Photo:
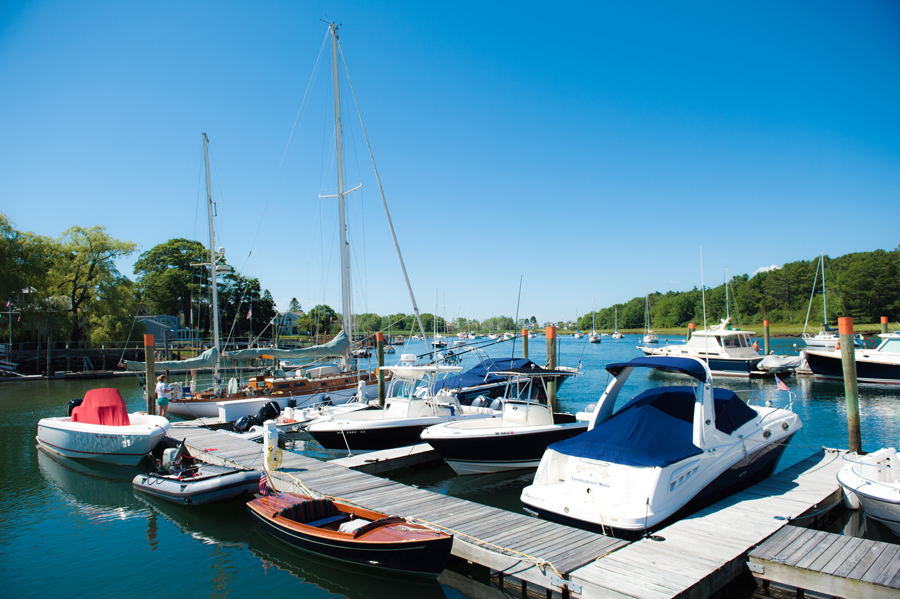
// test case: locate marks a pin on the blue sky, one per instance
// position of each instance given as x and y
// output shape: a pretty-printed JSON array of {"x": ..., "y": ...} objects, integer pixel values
[{"x": 591, "y": 148}]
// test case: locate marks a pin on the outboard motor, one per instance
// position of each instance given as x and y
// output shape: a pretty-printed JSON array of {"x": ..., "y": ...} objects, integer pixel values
[
  {"x": 497, "y": 405},
  {"x": 478, "y": 402},
  {"x": 243, "y": 424},
  {"x": 73, "y": 403},
  {"x": 270, "y": 411}
]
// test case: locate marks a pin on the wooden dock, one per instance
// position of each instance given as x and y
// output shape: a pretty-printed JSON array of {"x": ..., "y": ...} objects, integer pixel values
[
  {"x": 702, "y": 553},
  {"x": 829, "y": 563},
  {"x": 534, "y": 551},
  {"x": 694, "y": 557}
]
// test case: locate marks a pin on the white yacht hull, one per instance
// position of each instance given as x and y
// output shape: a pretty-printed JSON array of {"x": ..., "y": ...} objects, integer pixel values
[
  {"x": 875, "y": 482},
  {"x": 124, "y": 445}
]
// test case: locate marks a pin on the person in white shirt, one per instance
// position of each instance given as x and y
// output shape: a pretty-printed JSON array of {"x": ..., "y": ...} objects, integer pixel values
[{"x": 163, "y": 394}]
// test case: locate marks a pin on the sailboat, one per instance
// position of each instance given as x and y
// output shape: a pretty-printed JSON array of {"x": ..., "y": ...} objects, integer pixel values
[
  {"x": 312, "y": 385},
  {"x": 617, "y": 334},
  {"x": 593, "y": 337},
  {"x": 826, "y": 338},
  {"x": 649, "y": 335},
  {"x": 578, "y": 334}
]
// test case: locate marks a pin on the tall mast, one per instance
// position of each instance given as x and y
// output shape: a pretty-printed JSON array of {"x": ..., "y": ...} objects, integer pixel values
[
  {"x": 212, "y": 263},
  {"x": 824, "y": 304},
  {"x": 338, "y": 144}
]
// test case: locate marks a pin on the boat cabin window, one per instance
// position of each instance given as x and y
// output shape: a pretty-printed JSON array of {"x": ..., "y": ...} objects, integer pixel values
[
  {"x": 731, "y": 342},
  {"x": 891, "y": 345}
]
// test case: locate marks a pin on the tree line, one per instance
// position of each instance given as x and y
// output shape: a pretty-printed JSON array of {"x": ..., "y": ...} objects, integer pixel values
[{"x": 864, "y": 285}]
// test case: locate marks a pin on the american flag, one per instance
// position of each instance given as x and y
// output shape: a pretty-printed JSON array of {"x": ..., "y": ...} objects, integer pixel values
[
  {"x": 249, "y": 313},
  {"x": 781, "y": 385},
  {"x": 264, "y": 485}
]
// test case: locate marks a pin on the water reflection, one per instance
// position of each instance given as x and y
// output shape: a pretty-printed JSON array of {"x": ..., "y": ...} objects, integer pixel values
[
  {"x": 223, "y": 524},
  {"x": 98, "y": 491},
  {"x": 333, "y": 577}
]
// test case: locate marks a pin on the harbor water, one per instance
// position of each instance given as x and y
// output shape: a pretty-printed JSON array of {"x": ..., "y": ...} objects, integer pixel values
[{"x": 73, "y": 528}]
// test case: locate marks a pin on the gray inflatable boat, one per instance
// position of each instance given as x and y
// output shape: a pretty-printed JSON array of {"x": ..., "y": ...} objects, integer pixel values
[{"x": 199, "y": 484}]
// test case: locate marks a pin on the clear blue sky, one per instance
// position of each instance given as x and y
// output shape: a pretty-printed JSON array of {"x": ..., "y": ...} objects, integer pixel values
[{"x": 590, "y": 147}]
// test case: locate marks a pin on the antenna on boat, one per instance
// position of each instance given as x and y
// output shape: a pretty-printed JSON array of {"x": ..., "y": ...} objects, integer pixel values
[{"x": 703, "y": 296}]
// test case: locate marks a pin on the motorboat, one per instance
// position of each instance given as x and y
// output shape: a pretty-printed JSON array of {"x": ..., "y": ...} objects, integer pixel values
[
  {"x": 727, "y": 351},
  {"x": 577, "y": 335},
  {"x": 873, "y": 482},
  {"x": 668, "y": 452},
  {"x": 399, "y": 340},
  {"x": 100, "y": 428},
  {"x": 352, "y": 534},
  {"x": 514, "y": 439},
  {"x": 485, "y": 380},
  {"x": 180, "y": 479},
  {"x": 410, "y": 407},
  {"x": 877, "y": 366}
]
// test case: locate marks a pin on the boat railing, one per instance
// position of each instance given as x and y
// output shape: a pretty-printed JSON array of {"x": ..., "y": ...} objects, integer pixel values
[{"x": 880, "y": 472}]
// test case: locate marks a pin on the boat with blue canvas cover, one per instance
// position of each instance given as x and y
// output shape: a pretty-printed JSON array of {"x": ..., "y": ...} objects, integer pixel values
[
  {"x": 666, "y": 453},
  {"x": 485, "y": 380}
]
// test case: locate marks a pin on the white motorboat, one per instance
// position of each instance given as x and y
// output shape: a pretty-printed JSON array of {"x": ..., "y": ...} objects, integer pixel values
[
  {"x": 515, "y": 438},
  {"x": 728, "y": 352},
  {"x": 877, "y": 366},
  {"x": 101, "y": 429},
  {"x": 873, "y": 482},
  {"x": 666, "y": 453},
  {"x": 411, "y": 407}
]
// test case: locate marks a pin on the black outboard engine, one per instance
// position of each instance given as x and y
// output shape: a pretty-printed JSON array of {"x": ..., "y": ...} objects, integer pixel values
[
  {"x": 73, "y": 403},
  {"x": 270, "y": 411},
  {"x": 243, "y": 424}
]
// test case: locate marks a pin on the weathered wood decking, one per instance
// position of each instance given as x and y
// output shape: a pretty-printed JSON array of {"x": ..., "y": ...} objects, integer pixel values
[
  {"x": 515, "y": 544},
  {"x": 698, "y": 556},
  {"x": 828, "y": 563},
  {"x": 702, "y": 553}
]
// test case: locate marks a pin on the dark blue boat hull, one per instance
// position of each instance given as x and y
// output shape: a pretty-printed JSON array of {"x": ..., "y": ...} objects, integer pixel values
[{"x": 831, "y": 367}]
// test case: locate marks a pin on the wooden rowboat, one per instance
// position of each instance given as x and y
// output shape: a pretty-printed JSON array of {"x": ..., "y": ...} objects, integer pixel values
[{"x": 351, "y": 534}]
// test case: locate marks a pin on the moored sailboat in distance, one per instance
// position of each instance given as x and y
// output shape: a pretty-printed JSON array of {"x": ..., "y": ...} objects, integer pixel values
[
  {"x": 617, "y": 334},
  {"x": 593, "y": 337}
]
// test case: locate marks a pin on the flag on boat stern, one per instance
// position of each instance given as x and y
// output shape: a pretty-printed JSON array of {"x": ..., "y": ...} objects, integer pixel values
[
  {"x": 781, "y": 384},
  {"x": 264, "y": 485}
]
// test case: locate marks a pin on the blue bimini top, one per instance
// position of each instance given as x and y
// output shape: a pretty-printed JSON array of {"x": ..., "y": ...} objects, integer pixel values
[
  {"x": 481, "y": 374},
  {"x": 687, "y": 366},
  {"x": 655, "y": 428}
]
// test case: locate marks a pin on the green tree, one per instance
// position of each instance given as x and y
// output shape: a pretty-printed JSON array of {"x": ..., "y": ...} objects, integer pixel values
[
  {"x": 83, "y": 261},
  {"x": 112, "y": 318},
  {"x": 240, "y": 297},
  {"x": 167, "y": 279},
  {"x": 323, "y": 319},
  {"x": 295, "y": 306}
]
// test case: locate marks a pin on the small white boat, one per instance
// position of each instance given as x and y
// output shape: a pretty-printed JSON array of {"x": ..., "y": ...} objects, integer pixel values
[
  {"x": 873, "y": 482},
  {"x": 617, "y": 334},
  {"x": 100, "y": 428},
  {"x": 593, "y": 337},
  {"x": 515, "y": 438}
]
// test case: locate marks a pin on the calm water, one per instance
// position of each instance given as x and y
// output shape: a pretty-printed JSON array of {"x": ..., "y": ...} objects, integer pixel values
[{"x": 74, "y": 528}]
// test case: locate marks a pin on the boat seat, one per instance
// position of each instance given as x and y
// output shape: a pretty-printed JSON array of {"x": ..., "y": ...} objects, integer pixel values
[
  {"x": 328, "y": 520},
  {"x": 310, "y": 510}
]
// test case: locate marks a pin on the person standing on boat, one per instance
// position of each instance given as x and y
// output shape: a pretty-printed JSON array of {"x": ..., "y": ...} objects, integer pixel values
[
  {"x": 756, "y": 346},
  {"x": 163, "y": 394}
]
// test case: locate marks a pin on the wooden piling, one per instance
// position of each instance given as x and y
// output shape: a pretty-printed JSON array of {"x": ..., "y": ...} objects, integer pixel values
[
  {"x": 49, "y": 357},
  {"x": 851, "y": 391},
  {"x": 690, "y": 333},
  {"x": 766, "y": 337},
  {"x": 551, "y": 364},
  {"x": 68, "y": 359},
  {"x": 150, "y": 373},
  {"x": 379, "y": 352},
  {"x": 884, "y": 325},
  {"x": 525, "y": 343},
  {"x": 103, "y": 356}
]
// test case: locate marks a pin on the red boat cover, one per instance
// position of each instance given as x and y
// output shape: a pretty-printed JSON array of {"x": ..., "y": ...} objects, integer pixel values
[{"x": 102, "y": 406}]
